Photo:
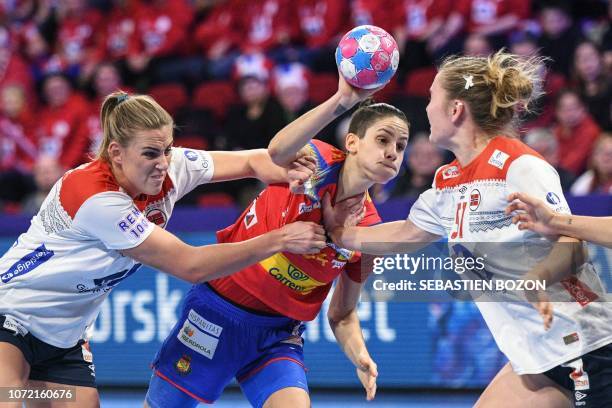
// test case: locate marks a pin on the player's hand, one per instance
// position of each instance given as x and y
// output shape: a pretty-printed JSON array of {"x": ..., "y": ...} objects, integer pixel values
[
  {"x": 300, "y": 171},
  {"x": 346, "y": 213},
  {"x": 351, "y": 95},
  {"x": 303, "y": 237},
  {"x": 531, "y": 213},
  {"x": 540, "y": 301},
  {"x": 367, "y": 371}
]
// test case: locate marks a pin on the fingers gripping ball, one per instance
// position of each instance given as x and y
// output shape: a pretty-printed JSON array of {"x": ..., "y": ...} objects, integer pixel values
[{"x": 367, "y": 57}]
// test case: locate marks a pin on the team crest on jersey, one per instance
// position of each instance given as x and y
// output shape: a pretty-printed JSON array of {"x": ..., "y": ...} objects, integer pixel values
[
  {"x": 250, "y": 218},
  {"x": 475, "y": 199},
  {"x": 157, "y": 217},
  {"x": 498, "y": 159},
  {"x": 450, "y": 172},
  {"x": 183, "y": 365}
]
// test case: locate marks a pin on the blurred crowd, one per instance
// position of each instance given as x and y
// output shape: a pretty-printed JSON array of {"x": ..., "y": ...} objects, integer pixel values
[{"x": 234, "y": 72}]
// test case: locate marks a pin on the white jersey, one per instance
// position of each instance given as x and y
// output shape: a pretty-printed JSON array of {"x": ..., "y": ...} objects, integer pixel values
[
  {"x": 57, "y": 274},
  {"x": 466, "y": 205}
]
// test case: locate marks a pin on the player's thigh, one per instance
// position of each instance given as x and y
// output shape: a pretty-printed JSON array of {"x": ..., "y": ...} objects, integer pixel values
[
  {"x": 293, "y": 397},
  {"x": 15, "y": 368},
  {"x": 84, "y": 397},
  {"x": 509, "y": 389}
]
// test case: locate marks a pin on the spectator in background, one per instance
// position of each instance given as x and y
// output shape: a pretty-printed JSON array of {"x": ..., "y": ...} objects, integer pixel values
[
  {"x": 255, "y": 120},
  {"x": 606, "y": 42},
  {"x": 17, "y": 148},
  {"x": 219, "y": 38},
  {"x": 477, "y": 45},
  {"x": 417, "y": 24},
  {"x": 559, "y": 36},
  {"x": 258, "y": 116},
  {"x": 594, "y": 83},
  {"x": 291, "y": 89},
  {"x": 13, "y": 68},
  {"x": 524, "y": 44},
  {"x": 118, "y": 34},
  {"x": 371, "y": 12},
  {"x": 575, "y": 130},
  {"x": 543, "y": 141},
  {"x": 47, "y": 171},
  {"x": 598, "y": 179},
  {"x": 267, "y": 27},
  {"x": 492, "y": 18},
  {"x": 61, "y": 132},
  {"x": 105, "y": 80},
  {"x": 321, "y": 24},
  {"x": 77, "y": 28},
  {"x": 160, "y": 51}
]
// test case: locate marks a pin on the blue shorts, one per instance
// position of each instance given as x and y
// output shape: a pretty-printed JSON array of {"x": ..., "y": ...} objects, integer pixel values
[{"x": 214, "y": 342}]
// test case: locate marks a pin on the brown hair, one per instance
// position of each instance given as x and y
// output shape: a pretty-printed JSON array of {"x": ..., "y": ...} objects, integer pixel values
[
  {"x": 370, "y": 112},
  {"x": 502, "y": 85},
  {"x": 123, "y": 114}
]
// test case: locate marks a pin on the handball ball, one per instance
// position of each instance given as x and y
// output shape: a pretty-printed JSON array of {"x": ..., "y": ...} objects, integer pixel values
[{"x": 367, "y": 57}]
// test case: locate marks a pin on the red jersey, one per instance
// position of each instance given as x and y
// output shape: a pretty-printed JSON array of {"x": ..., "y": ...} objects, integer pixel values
[
  {"x": 289, "y": 284},
  {"x": 416, "y": 15},
  {"x": 479, "y": 13},
  {"x": 320, "y": 20}
]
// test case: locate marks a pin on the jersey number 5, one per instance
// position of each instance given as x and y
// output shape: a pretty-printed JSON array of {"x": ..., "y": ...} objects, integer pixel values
[{"x": 458, "y": 227}]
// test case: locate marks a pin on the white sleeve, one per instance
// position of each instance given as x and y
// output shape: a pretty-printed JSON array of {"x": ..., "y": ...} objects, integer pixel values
[
  {"x": 113, "y": 218},
  {"x": 189, "y": 168},
  {"x": 423, "y": 213},
  {"x": 534, "y": 176}
]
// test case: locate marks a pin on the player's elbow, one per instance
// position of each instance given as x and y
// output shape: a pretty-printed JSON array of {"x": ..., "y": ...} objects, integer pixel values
[
  {"x": 336, "y": 316},
  {"x": 276, "y": 153}
]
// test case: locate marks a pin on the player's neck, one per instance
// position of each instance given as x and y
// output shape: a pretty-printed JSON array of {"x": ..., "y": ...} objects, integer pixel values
[
  {"x": 351, "y": 182},
  {"x": 468, "y": 145}
]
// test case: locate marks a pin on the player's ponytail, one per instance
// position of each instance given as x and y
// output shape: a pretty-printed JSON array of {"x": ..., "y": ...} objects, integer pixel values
[
  {"x": 123, "y": 114},
  {"x": 496, "y": 88}
]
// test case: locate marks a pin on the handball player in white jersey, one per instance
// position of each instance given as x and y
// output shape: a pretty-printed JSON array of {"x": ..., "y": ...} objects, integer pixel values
[
  {"x": 98, "y": 224},
  {"x": 568, "y": 360}
]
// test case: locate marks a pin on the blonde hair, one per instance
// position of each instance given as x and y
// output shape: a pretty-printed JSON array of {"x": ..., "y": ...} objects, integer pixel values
[
  {"x": 496, "y": 88},
  {"x": 123, "y": 114}
]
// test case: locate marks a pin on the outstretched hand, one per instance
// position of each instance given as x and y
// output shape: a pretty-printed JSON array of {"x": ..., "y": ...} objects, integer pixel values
[{"x": 531, "y": 213}]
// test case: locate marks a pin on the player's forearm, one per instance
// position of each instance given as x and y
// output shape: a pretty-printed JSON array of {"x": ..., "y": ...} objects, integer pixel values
[
  {"x": 263, "y": 168},
  {"x": 593, "y": 229},
  {"x": 210, "y": 262},
  {"x": 382, "y": 239},
  {"x": 347, "y": 331},
  {"x": 289, "y": 140},
  {"x": 564, "y": 259}
]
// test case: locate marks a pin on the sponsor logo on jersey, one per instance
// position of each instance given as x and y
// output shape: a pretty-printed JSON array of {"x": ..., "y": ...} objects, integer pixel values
[
  {"x": 336, "y": 264},
  {"x": 14, "y": 326},
  {"x": 450, "y": 172},
  {"x": 106, "y": 283},
  {"x": 157, "y": 217},
  {"x": 498, "y": 159},
  {"x": 474, "y": 199},
  {"x": 303, "y": 208},
  {"x": 197, "y": 340},
  {"x": 204, "y": 324},
  {"x": 183, "y": 365},
  {"x": 279, "y": 267},
  {"x": 191, "y": 155},
  {"x": 571, "y": 338},
  {"x": 27, "y": 263},
  {"x": 553, "y": 198},
  {"x": 320, "y": 258},
  {"x": 579, "y": 291},
  {"x": 134, "y": 223}
]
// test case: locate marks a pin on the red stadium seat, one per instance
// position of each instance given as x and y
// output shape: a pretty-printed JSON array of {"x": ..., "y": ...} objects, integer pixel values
[
  {"x": 387, "y": 93},
  {"x": 322, "y": 86},
  {"x": 216, "y": 96},
  {"x": 171, "y": 96},
  {"x": 419, "y": 81}
]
